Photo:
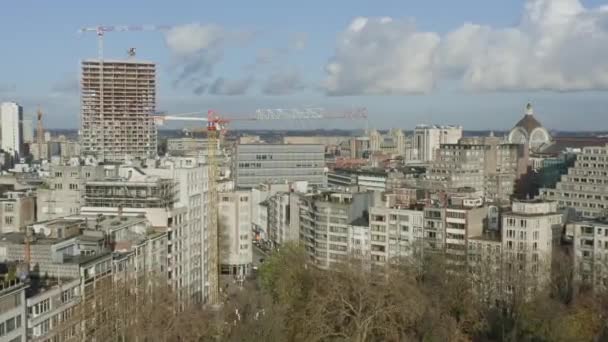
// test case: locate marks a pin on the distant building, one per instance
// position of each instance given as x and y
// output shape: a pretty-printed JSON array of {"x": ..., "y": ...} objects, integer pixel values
[
  {"x": 483, "y": 163},
  {"x": 17, "y": 210},
  {"x": 234, "y": 222},
  {"x": 188, "y": 147},
  {"x": 11, "y": 118},
  {"x": 530, "y": 132},
  {"x": 584, "y": 186},
  {"x": 428, "y": 139},
  {"x": 13, "y": 313},
  {"x": 393, "y": 143},
  {"x": 279, "y": 163},
  {"x": 28, "y": 131},
  {"x": 118, "y": 98}
]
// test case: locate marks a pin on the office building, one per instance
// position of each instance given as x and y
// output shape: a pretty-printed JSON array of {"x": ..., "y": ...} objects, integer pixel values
[
  {"x": 11, "y": 118},
  {"x": 393, "y": 143},
  {"x": 235, "y": 235},
  {"x": 117, "y": 101},
  {"x": 428, "y": 139},
  {"x": 279, "y": 163},
  {"x": 585, "y": 187}
]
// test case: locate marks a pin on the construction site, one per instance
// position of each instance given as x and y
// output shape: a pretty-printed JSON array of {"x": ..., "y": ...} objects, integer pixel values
[{"x": 117, "y": 100}]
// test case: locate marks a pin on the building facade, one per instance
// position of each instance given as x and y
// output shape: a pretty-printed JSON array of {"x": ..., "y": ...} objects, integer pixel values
[
  {"x": 234, "y": 222},
  {"x": 528, "y": 131},
  {"x": 279, "y": 163},
  {"x": 585, "y": 186},
  {"x": 17, "y": 210},
  {"x": 117, "y": 101},
  {"x": 11, "y": 123},
  {"x": 428, "y": 139},
  {"x": 12, "y": 312}
]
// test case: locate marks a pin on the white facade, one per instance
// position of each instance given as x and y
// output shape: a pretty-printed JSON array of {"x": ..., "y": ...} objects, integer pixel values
[
  {"x": 234, "y": 222},
  {"x": 427, "y": 140},
  {"x": 190, "y": 254},
  {"x": 530, "y": 232},
  {"x": 591, "y": 253},
  {"x": 12, "y": 313},
  {"x": 395, "y": 234},
  {"x": 11, "y": 117}
]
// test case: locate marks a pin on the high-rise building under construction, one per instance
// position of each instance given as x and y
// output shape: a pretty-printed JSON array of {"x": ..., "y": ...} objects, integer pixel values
[{"x": 118, "y": 99}]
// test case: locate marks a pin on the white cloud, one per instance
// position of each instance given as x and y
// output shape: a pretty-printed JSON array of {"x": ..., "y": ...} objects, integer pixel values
[
  {"x": 223, "y": 86},
  {"x": 382, "y": 56},
  {"x": 558, "y": 45},
  {"x": 283, "y": 82}
]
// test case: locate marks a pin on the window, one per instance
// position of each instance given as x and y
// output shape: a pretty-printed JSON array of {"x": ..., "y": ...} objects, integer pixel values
[
  {"x": 9, "y": 207},
  {"x": 10, "y": 325},
  {"x": 58, "y": 174},
  {"x": 73, "y": 186},
  {"x": 58, "y": 186},
  {"x": 9, "y": 219},
  {"x": 2, "y": 332}
]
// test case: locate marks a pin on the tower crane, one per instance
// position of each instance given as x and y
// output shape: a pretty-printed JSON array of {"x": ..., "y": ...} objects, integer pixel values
[
  {"x": 216, "y": 126},
  {"x": 101, "y": 30}
]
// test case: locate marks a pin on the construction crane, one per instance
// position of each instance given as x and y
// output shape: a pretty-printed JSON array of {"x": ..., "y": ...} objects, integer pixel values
[
  {"x": 216, "y": 126},
  {"x": 101, "y": 30}
]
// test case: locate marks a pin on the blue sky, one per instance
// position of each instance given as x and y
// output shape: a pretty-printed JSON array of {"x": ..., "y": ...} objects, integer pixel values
[{"x": 317, "y": 53}]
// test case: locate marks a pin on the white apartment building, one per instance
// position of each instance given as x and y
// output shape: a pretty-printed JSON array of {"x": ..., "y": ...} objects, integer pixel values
[
  {"x": 234, "y": 222},
  {"x": 530, "y": 232},
  {"x": 51, "y": 309},
  {"x": 173, "y": 199},
  {"x": 395, "y": 234},
  {"x": 428, "y": 139},
  {"x": 13, "y": 312},
  {"x": 585, "y": 186},
  {"x": 591, "y": 252},
  {"x": 11, "y": 118},
  {"x": 191, "y": 246},
  {"x": 259, "y": 205},
  {"x": 326, "y": 221}
]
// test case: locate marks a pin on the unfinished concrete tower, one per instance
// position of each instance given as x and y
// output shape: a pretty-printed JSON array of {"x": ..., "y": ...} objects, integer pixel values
[{"x": 118, "y": 99}]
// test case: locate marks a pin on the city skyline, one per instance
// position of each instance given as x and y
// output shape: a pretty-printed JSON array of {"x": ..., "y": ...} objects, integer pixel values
[{"x": 477, "y": 66}]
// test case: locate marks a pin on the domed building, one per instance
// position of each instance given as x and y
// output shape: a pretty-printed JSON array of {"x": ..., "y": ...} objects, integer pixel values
[{"x": 530, "y": 132}]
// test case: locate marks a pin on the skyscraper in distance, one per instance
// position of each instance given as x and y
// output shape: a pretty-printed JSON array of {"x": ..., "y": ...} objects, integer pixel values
[{"x": 11, "y": 119}]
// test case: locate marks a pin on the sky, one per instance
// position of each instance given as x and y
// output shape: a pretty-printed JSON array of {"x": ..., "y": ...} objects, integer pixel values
[{"x": 471, "y": 62}]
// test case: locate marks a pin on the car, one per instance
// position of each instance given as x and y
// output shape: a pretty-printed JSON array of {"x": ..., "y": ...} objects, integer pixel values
[{"x": 261, "y": 260}]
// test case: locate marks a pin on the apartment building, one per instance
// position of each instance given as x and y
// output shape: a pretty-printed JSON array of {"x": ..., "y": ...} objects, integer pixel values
[
  {"x": 62, "y": 191},
  {"x": 173, "y": 199},
  {"x": 428, "y": 139},
  {"x": 395, "y": 234},
  {"x": 12, "y": 311},
  {"x": 236, "y": 251},
  {"x": 259, "y": 206},
  {"x": 52, "y": 309},
  {"x": 531, "y": 232},
  {"x": 591, "y": 252},
  {"x": 118, "y": 99},
  {"x": 482, "y": 163},
  {"x": 326, "y": 221},
  {"x": 17, "y": 210},
  {"x": 279, "y": 163},
  {"x": 393, "y": 143},
  {"x": 585, "y": 186}
]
